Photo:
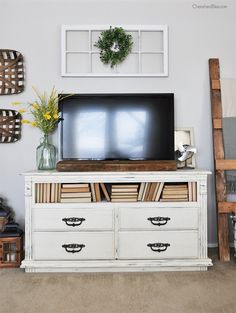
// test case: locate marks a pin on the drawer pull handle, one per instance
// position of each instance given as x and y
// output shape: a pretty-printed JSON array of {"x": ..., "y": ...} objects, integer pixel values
[
  {"x": 159, "y": 220},
  {"x": 158, "y": 247},
  {"x": 73, "y": 221},
  {"x": 73, "y": 247}
]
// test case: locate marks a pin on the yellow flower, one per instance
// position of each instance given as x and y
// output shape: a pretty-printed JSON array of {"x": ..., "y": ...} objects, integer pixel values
[
  {"x": 55, "y": 116},
  {"x": 16, "y": 103},
  {"x": 25, "y": 122},
  {"x": 47, "y": 116},
  {"x": 33, "y": 124},
  {"x": 22, "y": 111},
  {"x": 35, "y": 106}
]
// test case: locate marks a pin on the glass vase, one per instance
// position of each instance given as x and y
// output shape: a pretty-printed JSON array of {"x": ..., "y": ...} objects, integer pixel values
[{"x": 45, "y": 155}]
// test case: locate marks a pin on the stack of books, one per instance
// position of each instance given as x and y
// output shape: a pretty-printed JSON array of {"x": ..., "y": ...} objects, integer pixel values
[
  {"x": 175, "y": 193},
  {"x": 47, "y": 192},
  {"x": 97, "y": 189},
  {"x": 75, "y": 193},
  {"x": 150, "y": 191},
  {"x": 124, "y": 193},
  {"x": 192, "y": 191}
]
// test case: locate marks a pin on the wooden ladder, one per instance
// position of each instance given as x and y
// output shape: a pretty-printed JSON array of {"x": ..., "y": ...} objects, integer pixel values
[{"x": 220, "y": 164}]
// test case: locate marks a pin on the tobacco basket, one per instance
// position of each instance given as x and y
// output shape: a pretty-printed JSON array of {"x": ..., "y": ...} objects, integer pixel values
[
  {"x": 10, "y": 126},
  {"x": 11, "y": 72}
]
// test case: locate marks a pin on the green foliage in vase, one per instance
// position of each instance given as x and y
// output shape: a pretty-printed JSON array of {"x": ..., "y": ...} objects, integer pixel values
[{"x": 44, "y": 111}]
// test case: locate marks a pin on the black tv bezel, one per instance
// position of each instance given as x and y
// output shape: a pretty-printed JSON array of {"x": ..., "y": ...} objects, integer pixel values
[{"x": 60, "y": 126}]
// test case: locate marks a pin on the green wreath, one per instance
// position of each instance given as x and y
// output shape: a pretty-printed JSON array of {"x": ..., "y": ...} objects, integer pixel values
[{"x": 115, "y": 45}]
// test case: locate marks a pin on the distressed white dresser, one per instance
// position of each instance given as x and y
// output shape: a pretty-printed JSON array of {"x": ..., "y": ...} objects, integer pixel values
[{"x": 115, "y": 236}]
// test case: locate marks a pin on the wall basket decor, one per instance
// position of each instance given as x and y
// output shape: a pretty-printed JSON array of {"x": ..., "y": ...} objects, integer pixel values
[
  {"x": 10, "y": 126},
  {"x": 11, "y": 72}
]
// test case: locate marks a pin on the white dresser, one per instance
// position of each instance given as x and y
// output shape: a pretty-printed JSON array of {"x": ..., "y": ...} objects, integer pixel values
[{"x": 115, "y": 236}]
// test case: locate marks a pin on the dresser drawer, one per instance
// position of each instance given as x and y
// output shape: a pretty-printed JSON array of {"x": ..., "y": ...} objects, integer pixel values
[
  {"x": 158, "y": 218},
  {"x": 73, "y": 246},
  {"x": 158, "y": 245},
  {"x": 73, "y": 219}
]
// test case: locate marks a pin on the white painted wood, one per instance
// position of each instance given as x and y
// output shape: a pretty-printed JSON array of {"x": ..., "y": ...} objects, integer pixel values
[
  {"x": 137, "y": 218},
  {"x": 115, "y": 270},
  {"x": 166, "y": 176},
  {"x": 165, "y": 50},
  {"x": 28, "y": 224},
  {"x": 52, "y": 219},
  {"x": 105, "y": 204},
  {"x": 133, "y": 245},
  {"x": 67, "y": 51},
  {"x": 117, "y": 265},
  {"x": 48, "y": 245},
  {"x": 202, "y": 195},
  {"x": 115, "y": 230},
  {"x": 63, "y": 50}
]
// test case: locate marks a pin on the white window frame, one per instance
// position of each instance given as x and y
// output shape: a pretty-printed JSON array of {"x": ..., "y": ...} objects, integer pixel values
[{"x": 138, "y": 28}]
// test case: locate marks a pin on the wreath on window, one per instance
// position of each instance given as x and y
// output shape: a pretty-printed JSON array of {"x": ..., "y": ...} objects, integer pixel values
[{"x": 115, "y": 45}]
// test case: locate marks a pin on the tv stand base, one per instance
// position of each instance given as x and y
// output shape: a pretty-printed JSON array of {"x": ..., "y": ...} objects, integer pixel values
[{"x": 115, "y": 166}]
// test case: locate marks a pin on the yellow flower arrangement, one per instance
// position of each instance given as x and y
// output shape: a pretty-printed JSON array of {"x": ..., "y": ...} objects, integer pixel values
[
  {"x": 44, "y": 111},
  {"x": 25, "y": 122},
  {"x": 22, "y": 111}
]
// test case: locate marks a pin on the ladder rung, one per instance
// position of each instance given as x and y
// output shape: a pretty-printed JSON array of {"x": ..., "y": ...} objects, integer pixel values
[
  {"x": 226, "y": 207},
  {"x": 215, "y": 84},
  {"x": 217, "y": 123},
  {"x": 225, "y": 165}
]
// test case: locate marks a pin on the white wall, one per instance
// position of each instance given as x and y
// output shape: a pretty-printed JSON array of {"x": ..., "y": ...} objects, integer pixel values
[{"x": 195, "y": 35}]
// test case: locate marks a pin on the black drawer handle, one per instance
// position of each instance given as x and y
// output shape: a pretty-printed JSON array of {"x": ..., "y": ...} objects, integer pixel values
[
  {"x": 158, "y": 247},
  {"x": 73, "y": 221},
  {"x": 159, "y": 220},
  {"x": 73, "y": 247}
]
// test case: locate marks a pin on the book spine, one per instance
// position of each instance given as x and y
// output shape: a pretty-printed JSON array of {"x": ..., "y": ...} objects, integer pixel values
[
  {"x": 75, "y": 200},
  {"x": 75, "y": 185},
  {"x": 58, "y": 192},
  {"x": 44, "y": 192},
  {"x": 160, "y": 189},
  {"x": 37, "y": 195},
  {"x": 97, "y": 192},
  {"x": 155, "y": 191},
  {"x": 105, "y": 192},
  {"x": 174, "y": 197},
  {"x": 76, "y": 195},
  {"x": 82, "y": 189},
  {"x": 144, "y": 191},
  {"x": 125, "y": 186},
  {"x": 147, "y": 192},
  {"x": 41, "y": 193},
  {"x": 52, "y": 196},
  {"x": 194, "y": 190},
  {"x": 48, "y": 192},
  {"x": 124, "y": 200},
  {"x": 151, "y": 191},
  {"x": 141, "y": 190},
  {"x": 93, "y": 192},
  {"x": 190, "y": 192}
]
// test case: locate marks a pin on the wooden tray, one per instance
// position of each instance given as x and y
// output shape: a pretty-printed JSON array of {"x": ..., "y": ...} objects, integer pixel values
[{"x": 116, "y": 166}]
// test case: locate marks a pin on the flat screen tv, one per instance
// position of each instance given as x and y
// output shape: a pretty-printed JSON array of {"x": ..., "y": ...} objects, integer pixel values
[{"x": 117, "y": 127}]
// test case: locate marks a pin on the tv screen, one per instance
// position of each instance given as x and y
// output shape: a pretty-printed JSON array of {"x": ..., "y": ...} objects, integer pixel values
[{"x": 117, "y": 127}]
